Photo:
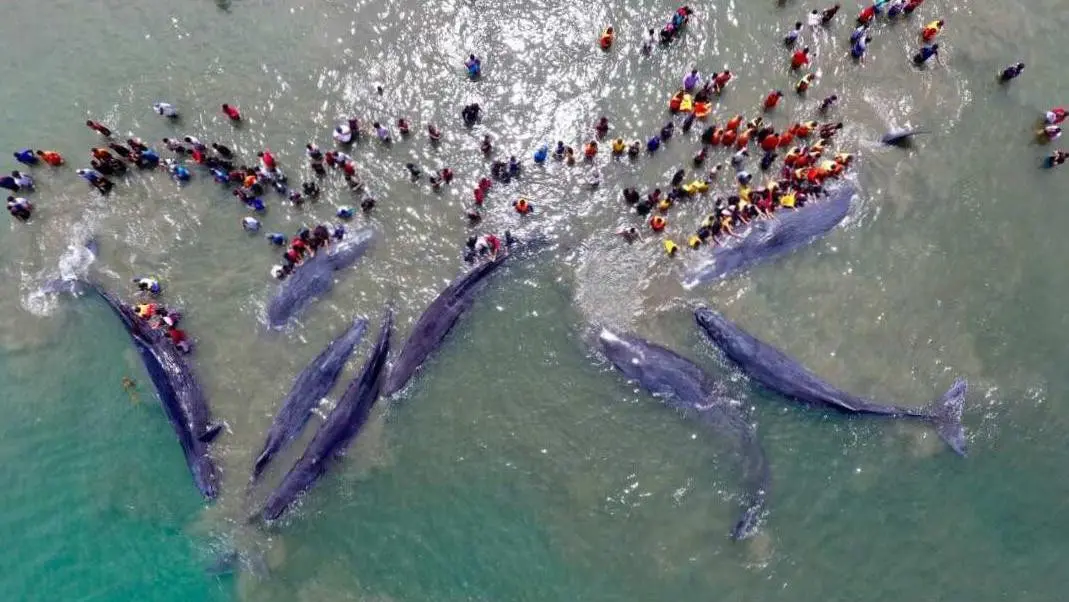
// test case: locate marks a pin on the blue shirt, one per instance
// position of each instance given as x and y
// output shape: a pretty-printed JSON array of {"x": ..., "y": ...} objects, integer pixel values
[
  {"x": 858, "y": 50},
  {"x": 653, "y": 144}
]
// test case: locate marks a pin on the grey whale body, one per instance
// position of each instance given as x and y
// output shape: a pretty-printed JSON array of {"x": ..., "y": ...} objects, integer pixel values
[
  {"x": 684, "y": 386},
  {"x": 341, "y": 426},
  {"x": 783, "y": 374},
  {"x": 436, "y": 322},
  {"x": 315, "y": 277},
  {"x": 769, "y": 238},
  {"x": 180, "y": 395},
  {"x": 315, "y": 381}
]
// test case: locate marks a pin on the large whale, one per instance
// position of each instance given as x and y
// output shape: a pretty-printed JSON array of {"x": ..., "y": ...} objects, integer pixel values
[
  {"x": 337, "y": 431},
  {"x": 315, "y": 381},
  {"x": 686, "y": 387},
  {"x": 315, "y": 277},
  {"x": 436, "y": 322},
  {"x": 768, "y": 238},
  {"x": 784, "y": 375},
  {"x": 182, "y": 399}
]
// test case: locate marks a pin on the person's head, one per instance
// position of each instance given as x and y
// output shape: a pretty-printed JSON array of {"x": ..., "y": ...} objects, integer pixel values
[
  {"x": 940, "y": 22},
  {"x": 376, "y": 125},
  {"x": 833, "y": 98},
  {"x": 805, "y": 50},
  {"x": 797, "y": 24},
  {"x": 650, "y": 31},
  {"x": 694, "y": 72},
  {"x": 814, "y": 12},
  {"x": 89, "y": 122},
  {"x": 1020, "y": 66},
  {"x": 226, "y": 107},
  {"x": 935, "y": 47},
  {"x": 11, "y": 199},
  {"x": 16, "y": 174},
  {"x": 868, "y": 39},
  {"x": 609, "y": 30}
]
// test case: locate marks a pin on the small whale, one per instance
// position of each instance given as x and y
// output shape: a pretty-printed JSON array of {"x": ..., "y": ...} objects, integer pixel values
[{"x": 902, "y": 137}]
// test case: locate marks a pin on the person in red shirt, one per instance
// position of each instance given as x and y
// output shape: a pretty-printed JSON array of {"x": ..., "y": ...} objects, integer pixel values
[
  {"x": 231, "y": 112},
  {"x": 867, "y": 15},
  {"x": 51, "y": 157},
  {"x": 480, "y": 196},
  {"x": 721, "y": 79},
  {"x": 96, "y": 126},
  {"x": 179, "y": 338},
  {"x": 772, "y": 99},
  {"x": 299, "y": 246},
  {"x": 268, "y": 160},
  {"x": 800, "y": 58},
  {"x": 494, "y": 243}
]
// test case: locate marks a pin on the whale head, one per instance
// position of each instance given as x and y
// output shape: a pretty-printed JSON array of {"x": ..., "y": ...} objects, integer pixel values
[
  {"x": 622, "y": 352},
  {"x": 714, "y": 324}
]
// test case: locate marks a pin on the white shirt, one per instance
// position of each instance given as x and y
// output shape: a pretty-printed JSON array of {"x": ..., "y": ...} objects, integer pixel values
[{"x": 165, "y": 108}]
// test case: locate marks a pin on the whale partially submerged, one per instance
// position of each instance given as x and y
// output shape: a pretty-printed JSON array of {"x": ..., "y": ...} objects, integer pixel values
[
  {"x": 436, "y": 321},
  {"x": 766, "y": 239},
  {"x": 315, "y": 381},
  {"x": 342, "y": 425},
  {"x": 315, "y": 277},
  {"x": 180, "y": 395},
  {"x": 684, "y": 386},
  {"x": 783, "y": 374},
  {"x": 902, "y": 137}
]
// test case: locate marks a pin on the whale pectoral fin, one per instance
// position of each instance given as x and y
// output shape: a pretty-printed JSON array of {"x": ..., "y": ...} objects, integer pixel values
[{"x": 211, "y": 433}]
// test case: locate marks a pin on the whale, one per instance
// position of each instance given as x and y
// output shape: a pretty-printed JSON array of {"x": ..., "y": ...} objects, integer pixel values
[
  {"x": 180, "y": 394},
  {"x": 437, "y": 320},
  {"x": 315, "y": 277},
  {"x": 339, "y": 429},
  {"x": 901, "y": 136},
  {"x": 315, "y": 381},
  {"x": 685, "y": 387},
  {"x": 766, "y": 239},
  {"x": 778, "y": 372}
]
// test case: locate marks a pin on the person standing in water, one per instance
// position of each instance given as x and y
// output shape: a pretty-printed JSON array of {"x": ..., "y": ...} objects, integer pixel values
[
  {"x": 1010, "y": 73},
  {"x": 828, "y": 14},
  {"x": 474, "y": 65},
  {"x": 165, "y": 109},
  {"x": 827, "y": 103},
  {"x": 925, "y": 53},
  {"x": 1055, "y": 159},
  {"x": 791, "y": 38}
]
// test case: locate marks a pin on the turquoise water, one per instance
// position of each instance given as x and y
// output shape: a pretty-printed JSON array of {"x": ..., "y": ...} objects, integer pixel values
[{"x": 518, "y": 466}]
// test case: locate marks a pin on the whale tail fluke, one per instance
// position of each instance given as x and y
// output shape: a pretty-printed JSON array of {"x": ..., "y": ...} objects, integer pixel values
[
  {"x": 747, "y": 525},
  {"x": 945, "y": 414}
]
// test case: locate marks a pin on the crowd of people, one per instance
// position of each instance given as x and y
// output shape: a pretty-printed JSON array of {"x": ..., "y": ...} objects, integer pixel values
[{"x": 796, "y": 159}]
